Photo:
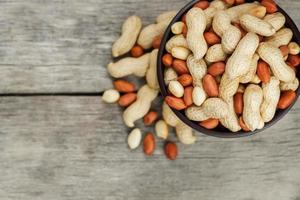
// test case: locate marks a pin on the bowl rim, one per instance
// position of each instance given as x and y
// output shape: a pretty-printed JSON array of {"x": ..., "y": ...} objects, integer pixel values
[{"x": 226, "y": 133}]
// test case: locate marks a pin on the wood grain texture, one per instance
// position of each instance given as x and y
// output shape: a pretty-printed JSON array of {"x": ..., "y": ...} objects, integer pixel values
[
  {"x": 75, "y": 148},
  {"x": 64, "y": 46}
]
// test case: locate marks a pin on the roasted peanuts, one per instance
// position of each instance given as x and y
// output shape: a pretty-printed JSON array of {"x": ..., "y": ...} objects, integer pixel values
[
  {"x": 270, "y": 6},
  {"x": 216, "y": 69},
  {"x": 137, "y": 51},
  {"x": 209, "y": 123},
  {"x": 185, "y": 80},
  {"x": 171, "y": 150},
  {"x": 284, "y": 50},
  {"x": 286, "y": 99},
  {"x": 149, "y": 144},
  {"x": 150, "y": 118},
  {"x": 212, "y": 38},
  {"x": 188, "y": 96},
  {"x": 263, "y": 71},
  {"x": 167, "y": 60},
  {"x": 238, "y": 103},
  {"x": 294, "y": 60},
  {"x": 176, "y": 103},
  {"x": 127, "y": 99},
  {"x": 210, "y": 86},
  {"x": 156, "y": 42},
  {"x": 202, "y": 4},
  {"x": 180, "y": 67},
  {"x": 124, "y": 86}
]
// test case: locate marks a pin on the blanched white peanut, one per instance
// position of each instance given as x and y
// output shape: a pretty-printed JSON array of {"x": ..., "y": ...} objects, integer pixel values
[
  {"x": 294, "y": 48},
  {"x": 215, "y": 53},
  {"x": 134, "y": 138},
  {"x": 239, "y": 63},
  {"x": 272, "y": 55},
  {"x": 168, "y": 15},
  {"x": 254, "y": 24},
  {"x": 170, "y": 75},
  {"x": 128, "y": 66},
  {"x": 176, "y": 89},
  {"x": 230, "y": 34},
  {"x": 198, "y": 95},
  {"x": 180, "y": 53},
  {"x": 148, "y": 33},
  {"x": 130, "y": 32},
  {"x": 177, "y": 28},
  {"x": 111, "y": 96},
  {"x": 228, "y": 87},
  {"x": 252, "y": 70},
  {"x": 211, "y": 108},
  {"x": 196, "y": 24},
  {"x": 161, "y": 129},
  {"x": 151, "y": 76},
  {"x": 197, "y": 68},
  {"x": 271, "y": 92},
  {"x": 253, "y": 97},
  {"x": 176, "y": 41},
  {"x": 141, "y": 106},
  {"x": 282, "y": 37},
  {"x": 277, "y": 20},
  {"x": 290, "y": 85},
  {"x": 184, "y": 133}
]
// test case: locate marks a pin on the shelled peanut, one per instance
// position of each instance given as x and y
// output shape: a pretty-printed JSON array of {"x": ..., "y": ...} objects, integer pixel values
[
  {"x": 228, "y": 63},
  {"x": 142, "y": 44},
  {"x": 243, "y": 65}
]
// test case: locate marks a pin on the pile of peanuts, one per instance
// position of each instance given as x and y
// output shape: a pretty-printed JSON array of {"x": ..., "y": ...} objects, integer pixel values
[{"x": 229, "y": 63}]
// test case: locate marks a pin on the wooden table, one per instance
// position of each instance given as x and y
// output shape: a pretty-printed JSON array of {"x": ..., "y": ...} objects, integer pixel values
[{"x": 58, "y": 140}]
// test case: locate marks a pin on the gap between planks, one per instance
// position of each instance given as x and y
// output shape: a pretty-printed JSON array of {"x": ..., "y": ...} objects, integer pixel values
[{"x": 52, "y": 94}]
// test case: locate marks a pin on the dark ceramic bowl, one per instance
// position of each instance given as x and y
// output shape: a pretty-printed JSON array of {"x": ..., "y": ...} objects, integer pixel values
[{"x": 219, "y": 131}]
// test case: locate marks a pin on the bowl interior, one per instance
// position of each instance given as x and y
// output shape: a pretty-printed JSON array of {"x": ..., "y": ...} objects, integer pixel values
[{"x": 219, "y": 131}]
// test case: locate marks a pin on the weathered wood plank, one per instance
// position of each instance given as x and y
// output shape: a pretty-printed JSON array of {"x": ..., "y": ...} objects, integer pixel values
[
  {"x": 64, "y": 46},
  {"x": 74, "y": 148}
]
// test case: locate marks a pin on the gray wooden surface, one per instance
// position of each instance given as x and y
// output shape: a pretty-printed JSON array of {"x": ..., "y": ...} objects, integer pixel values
[{"x": 73, "y": 147}]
